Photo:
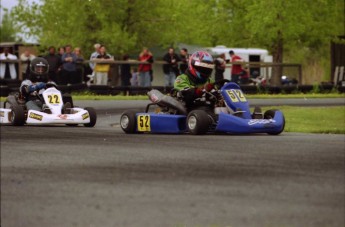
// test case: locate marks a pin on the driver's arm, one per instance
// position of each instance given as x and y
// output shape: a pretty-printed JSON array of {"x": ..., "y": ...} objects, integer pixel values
[{"x": 27, "y": 89}]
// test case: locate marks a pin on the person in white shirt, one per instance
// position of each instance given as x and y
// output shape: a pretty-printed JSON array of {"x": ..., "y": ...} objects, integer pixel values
[
  {"x": 7, "y": 67},
  {"x": 26, "y": 58}
]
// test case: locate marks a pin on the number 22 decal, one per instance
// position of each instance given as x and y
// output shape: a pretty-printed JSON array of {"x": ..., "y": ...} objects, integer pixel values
[
  {"x": 144, "y": 123},
  {"x": 53, "y": 99}
]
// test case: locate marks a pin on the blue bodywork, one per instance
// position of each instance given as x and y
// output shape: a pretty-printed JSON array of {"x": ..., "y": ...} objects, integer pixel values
[
  {"x": 227, "y": 123},
  {"x": 164, "y": 123}
]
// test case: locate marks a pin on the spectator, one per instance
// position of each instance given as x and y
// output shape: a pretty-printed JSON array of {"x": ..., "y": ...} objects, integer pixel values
[
  {"x": 54, "y": 62},
  {"x": 7, "y": 70},
  {"x": 220, "y": 64},
  {"x": 61, "y": 51},
  {"x": 184, "y": 60},
  {"x": 145, "y": 69},
  {"x": 236, "y": 69},
  {"x": 134, "y": 79},
  {"x": 244, "y": 78},
  {"x": 80, "y": 65},
  {"x": 171, "y": 68},
  {"x": 101, "y": 70},
  {"x": 94, "y": 55},
  {"x": 25, "y": 59},
  {"x": 69, "y": 67},
  {"x": 125, "y": 72}
]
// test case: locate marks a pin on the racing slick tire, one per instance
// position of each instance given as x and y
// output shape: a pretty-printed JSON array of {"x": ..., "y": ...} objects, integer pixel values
[
  {"x": 92, "y": 115},
  {"x": 17, "y": 115},
  {"x": 198, "y": 122},
  {"x": 269, "y": 114},
  {"x": 128, "y": 122}
]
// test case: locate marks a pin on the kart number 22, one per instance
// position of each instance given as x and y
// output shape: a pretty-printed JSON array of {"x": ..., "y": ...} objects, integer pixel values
[
  {"x": 144, "y": 123},
  {"x": 53, "y": 99},
  {"x": 236, "y": 95}
]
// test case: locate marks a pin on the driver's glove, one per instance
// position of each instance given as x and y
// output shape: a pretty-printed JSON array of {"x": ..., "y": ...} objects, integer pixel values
[{"x": 208, "y": 87}]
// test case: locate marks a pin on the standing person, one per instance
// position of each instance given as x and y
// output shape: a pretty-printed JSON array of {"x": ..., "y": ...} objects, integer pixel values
[
  {"x": 145, "y": 69},
  {"x": 236, "y": 69},
  {"x": 93, "y": 56},
  {"x": 134, "y": 79},
  {"x": 184, "y": 60},
  {"x": 80, "y": 65},
  {"x": 54, "y": 62},
  {"x": 8, "y": 70},
  {"x": 101, "y": 70},
  {"x": 61, "y": 51},
  {"x": 26, "y": 58},
  {"x": 125, "y": 72},
  {"x": 69, "y": 67},
  {"x": 220, "y": 64},
  {"x": 171, "y": 68}
]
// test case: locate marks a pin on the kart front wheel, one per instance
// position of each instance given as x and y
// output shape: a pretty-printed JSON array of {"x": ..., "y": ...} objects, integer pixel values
[
  {"x": 269, "y": 114},
  {"x": 198, "y": 122},
  {"x": 128, "y": 122},
  {"x": 92, "y": 115},
  {"x": 17, "y": 116}
]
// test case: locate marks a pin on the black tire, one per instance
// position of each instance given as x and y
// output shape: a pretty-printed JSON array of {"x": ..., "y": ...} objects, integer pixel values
[
  {"x": 17, "y": 115},
  {"x": 92, "y": 115},
  {"x": 198, "y": 122},
  {"x": 128, "y": 122},
  {"x": 269, "y": 114}
]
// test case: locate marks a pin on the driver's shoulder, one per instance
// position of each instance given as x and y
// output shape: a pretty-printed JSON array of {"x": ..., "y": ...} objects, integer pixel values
[{"x": 26, "y": 82}]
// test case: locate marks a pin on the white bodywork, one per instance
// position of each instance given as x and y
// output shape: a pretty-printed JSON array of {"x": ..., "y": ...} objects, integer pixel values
[{"x": 54, "y": 103}]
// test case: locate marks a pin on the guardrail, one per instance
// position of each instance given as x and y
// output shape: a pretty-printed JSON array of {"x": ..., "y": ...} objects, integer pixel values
[{"x": 8, "y": 86}]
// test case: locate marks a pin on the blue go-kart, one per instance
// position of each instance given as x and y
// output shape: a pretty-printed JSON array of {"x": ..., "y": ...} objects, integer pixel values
[{"x": 223, "y": 111}]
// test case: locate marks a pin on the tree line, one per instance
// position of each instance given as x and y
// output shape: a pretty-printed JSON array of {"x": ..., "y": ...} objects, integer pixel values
[{"x": 292, "y": 30}]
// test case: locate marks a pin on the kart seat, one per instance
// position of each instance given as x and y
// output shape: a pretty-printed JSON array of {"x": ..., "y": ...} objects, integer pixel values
[{"x": 164, "y": 100}]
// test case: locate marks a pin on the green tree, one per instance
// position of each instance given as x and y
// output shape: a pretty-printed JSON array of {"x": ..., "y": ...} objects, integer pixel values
[
  {"x": 284, "y": 25},
  {"x": 8, "y": 33},
  {"x": 295, "y": 29}
]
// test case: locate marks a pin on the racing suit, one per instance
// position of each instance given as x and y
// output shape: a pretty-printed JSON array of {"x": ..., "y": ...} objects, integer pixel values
[
  {"x": 190, "y": 88},
  {"x": 30, "y": 91}
]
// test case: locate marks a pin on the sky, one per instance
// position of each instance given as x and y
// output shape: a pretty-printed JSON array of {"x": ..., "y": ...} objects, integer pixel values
[{"x": 9, "y": 4}]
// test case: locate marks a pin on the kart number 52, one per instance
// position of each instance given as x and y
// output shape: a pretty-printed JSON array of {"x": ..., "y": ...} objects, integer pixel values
[
  {"x": 144, "y": 123},
  {"x": 236, "y": 95}
]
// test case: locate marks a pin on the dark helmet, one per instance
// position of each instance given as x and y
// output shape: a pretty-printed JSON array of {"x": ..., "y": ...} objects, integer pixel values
[
  {"x": 39, "y": 68},
  {"x": 200, "y": 65}
]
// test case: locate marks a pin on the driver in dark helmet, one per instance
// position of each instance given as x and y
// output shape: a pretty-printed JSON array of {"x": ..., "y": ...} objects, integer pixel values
[
  {"x": 35, "y": 84},
  {"x": 196, "y": 79}
]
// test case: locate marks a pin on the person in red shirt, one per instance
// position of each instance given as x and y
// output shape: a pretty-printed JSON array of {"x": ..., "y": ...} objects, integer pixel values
[
  {"x": 145, "y": 69},
  {"x": 236, "y": 69}
]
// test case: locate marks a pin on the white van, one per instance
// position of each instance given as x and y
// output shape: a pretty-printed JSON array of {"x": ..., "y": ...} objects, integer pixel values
[{"x": 248, "y": 55}]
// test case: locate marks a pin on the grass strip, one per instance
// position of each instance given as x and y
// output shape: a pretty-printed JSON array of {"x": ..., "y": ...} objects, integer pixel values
[{"x": 328, "y": 120}]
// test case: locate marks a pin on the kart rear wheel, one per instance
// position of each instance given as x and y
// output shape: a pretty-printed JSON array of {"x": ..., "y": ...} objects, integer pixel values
[
  {"x": 17, "y": 116},
  {"x": 269, "y": 114},
  {"x": 198, "y": 122},
  {"x": 92, "y": 115},
  {"x": 128, "y": 122}
]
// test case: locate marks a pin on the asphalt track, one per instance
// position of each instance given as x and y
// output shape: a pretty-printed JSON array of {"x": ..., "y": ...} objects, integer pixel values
[{"x": 76, "y": 176}]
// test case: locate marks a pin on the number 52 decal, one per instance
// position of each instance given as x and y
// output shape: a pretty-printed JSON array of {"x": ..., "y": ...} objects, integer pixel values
[
  {"x": 236, "y": 95},
  {"x": 144, "y": 123}
]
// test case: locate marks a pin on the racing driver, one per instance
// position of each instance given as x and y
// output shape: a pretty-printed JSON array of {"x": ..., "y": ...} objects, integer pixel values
[
  {"x": 35, "y": 84},
  {"x": 196, "y": 79}
]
